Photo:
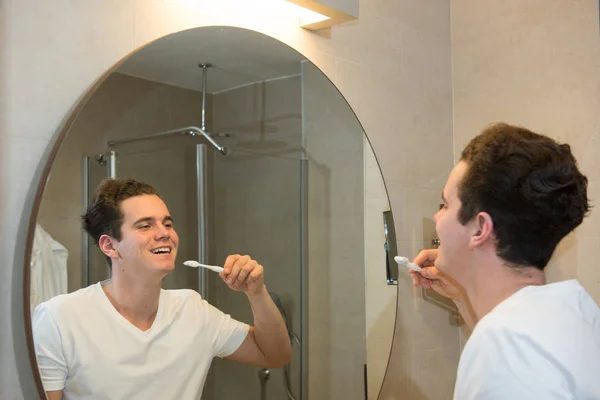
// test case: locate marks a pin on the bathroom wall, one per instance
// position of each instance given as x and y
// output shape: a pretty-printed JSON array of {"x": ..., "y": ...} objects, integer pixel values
[
  {"x": 392, "y": 65},
  {"x": 535, "y": 64}
]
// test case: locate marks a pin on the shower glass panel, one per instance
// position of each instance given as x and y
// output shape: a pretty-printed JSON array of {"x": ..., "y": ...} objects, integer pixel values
[
  {"x": 256, "y": 210},
  {"x": 253, "y": 206},
  {"x": 335, "y": 325}
]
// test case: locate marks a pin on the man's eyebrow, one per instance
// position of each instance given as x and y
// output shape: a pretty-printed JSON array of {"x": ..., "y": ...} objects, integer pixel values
[
  {"x": 145, "y": 219},
  {"x": 150, "y": 219},
  {"x": 443, "y": 198}
]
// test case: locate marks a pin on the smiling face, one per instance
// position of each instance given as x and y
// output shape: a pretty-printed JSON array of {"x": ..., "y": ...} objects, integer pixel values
[{"x": 148, "y": 240}]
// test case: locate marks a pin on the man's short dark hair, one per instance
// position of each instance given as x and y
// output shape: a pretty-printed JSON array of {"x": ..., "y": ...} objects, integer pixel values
[{"x": 530, "y": 186}]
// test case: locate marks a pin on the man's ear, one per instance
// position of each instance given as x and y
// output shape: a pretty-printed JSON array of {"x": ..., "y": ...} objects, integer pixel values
[
  {"x": 483, "y": 229},
  {"x": 107, "y": 246}
]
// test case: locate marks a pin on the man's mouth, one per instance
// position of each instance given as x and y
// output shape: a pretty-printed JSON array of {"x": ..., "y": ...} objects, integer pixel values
[{"x": 161, "y": 250}]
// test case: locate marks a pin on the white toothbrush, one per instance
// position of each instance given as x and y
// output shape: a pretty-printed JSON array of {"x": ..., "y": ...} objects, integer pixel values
[
  {"x": 196, "y": 264},
  {"x": 404, "y": 261}
]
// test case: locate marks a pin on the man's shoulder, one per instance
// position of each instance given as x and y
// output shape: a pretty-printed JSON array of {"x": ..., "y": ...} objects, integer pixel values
[
  {"x": 545, "y": 316},
  {"x": 178, "y": 295},
  {"x": 70, "y": 302},
  {"x": 544, "y": 306},
  {"x": 178, "y": 300}
]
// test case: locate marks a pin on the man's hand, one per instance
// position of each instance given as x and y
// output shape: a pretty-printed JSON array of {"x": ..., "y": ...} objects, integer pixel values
[
  {"x": 242, "y": 273},
  {"x": 431, "y": 277}
]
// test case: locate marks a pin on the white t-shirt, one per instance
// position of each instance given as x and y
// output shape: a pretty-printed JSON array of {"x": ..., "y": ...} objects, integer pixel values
[
  {"x": 542, "y": 343},
  {"x": 84, "y": 346}
]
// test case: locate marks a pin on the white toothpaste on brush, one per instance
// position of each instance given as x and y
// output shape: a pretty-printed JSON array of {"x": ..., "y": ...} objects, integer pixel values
[{"x": 404, "y": 261}]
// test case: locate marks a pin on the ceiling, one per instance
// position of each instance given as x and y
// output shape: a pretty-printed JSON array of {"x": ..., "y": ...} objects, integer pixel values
[{"x": 239, "y": 57}]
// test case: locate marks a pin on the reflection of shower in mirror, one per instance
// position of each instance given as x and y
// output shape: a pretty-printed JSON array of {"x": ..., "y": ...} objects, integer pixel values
[
  {"x": 189, "y": 130},
  {"x": 293, "y": 337}
]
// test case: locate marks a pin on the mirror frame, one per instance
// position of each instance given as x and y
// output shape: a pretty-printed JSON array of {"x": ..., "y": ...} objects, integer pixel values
[{"x": 20, "y": 299}]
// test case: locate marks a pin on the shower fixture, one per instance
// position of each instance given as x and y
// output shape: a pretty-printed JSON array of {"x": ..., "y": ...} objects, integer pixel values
[
  {"x": 188, "y": 130},
  {"x": 100, "y": 159}
]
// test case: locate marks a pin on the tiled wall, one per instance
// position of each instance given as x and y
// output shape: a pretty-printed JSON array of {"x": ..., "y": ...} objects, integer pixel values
[{"x": 392, "y": 65}]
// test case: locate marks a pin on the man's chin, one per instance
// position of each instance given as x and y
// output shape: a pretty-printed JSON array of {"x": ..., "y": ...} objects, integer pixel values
[
  {"x": 168, "y": 268},
  {"x": 165, "y": 268}
]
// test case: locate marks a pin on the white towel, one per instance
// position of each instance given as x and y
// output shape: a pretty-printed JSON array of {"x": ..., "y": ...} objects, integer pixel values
[{"x": 48, "y": 268}]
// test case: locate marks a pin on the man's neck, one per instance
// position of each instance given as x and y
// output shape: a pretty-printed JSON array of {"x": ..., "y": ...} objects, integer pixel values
[
  {"x": 135, "y": 299},
  {"x": 495, "y": 282}
]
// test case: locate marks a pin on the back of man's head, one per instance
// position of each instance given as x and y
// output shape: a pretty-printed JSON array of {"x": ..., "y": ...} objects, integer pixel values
[{"x": 530, "y": 186}]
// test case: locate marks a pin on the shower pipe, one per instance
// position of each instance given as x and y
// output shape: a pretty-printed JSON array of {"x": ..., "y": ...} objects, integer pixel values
[{"x": 189, "y": 130}]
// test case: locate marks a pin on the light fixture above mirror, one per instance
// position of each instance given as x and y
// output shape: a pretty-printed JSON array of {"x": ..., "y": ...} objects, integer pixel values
[{"x": 326, "y": 13}]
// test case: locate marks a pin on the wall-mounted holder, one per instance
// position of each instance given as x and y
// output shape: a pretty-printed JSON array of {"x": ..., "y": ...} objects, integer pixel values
[{"x": 391, "y": 250}]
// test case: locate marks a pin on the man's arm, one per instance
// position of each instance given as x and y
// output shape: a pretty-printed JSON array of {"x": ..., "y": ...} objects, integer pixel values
[
  {"x": 54, "y": 395},
  {"x": 268, "y": 343},
  {"x": 48, "y": 350},
  {"x": 431, "y": 277}
]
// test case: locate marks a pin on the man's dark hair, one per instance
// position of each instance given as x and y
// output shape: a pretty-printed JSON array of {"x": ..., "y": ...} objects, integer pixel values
[
  {"x": 530, "y": 186},
  {"x": 103, "y": 215}
]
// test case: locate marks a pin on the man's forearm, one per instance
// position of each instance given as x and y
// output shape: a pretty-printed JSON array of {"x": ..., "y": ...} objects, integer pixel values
[{"x": 270, "y": 332}]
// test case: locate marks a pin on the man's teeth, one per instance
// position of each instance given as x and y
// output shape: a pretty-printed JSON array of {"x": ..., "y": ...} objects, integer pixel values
[{"x": 161, "y": 250}]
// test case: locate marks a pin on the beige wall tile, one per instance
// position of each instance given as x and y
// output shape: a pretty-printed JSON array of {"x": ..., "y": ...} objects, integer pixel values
[
  {"x": 521, "y": 67},
  {"x": 19, "y": 155},
  {"x": 81, "y": 36},
  {"x": 587, "y": 271}
]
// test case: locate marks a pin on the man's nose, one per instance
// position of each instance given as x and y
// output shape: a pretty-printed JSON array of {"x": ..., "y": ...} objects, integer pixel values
[
  {"x": 436, "y": 216},
  {"x": 163, "y": 232}
]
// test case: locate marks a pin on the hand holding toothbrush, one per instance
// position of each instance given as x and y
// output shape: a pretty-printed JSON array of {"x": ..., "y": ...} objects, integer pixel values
[
  {"x": 240, "y": 273},
  {"x": 431, "y": 277}
]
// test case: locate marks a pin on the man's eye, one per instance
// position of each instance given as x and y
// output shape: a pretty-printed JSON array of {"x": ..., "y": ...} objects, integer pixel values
[
  {"x": 144, "y": 226},
  {"x": 443, "y": 206}
]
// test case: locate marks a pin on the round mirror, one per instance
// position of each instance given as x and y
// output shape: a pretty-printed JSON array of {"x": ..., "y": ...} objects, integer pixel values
[{"x": 253, "y": 151}]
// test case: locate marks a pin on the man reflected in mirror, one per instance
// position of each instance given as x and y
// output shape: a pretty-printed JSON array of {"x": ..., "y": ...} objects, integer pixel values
[{"x": 126, "y": 337}]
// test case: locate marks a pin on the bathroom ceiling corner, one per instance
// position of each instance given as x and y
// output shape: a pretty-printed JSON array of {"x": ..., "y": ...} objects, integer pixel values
[{"x": 237, "y": 60}]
